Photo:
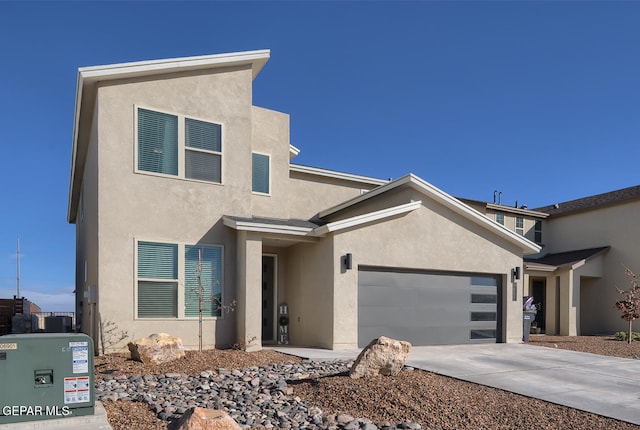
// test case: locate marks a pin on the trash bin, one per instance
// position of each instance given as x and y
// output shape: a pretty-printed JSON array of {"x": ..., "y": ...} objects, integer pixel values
[{"x": 527, "y": 319}]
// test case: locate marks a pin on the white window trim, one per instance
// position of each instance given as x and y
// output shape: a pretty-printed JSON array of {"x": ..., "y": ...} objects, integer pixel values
[
  {"x": 180, "y": 280},
  {"x": 270, "y": 173},
  {"x": 496, "y": 217},
  {"x": 182, "y": 147}
]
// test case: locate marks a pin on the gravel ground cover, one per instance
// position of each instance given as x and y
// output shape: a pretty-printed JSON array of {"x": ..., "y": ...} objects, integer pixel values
[{"x": 432, "y": 401}]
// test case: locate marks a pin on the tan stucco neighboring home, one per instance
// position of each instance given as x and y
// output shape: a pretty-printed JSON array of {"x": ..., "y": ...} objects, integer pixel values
[
  {"x": 174, "y": 169},
  {"x": 588, "y": 244}
]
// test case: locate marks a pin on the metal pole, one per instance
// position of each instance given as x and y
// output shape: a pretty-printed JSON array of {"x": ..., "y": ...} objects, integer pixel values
[{"x": 18, "y": 277}]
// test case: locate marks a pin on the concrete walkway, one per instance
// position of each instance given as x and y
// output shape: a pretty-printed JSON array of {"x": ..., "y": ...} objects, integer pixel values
[{"x": 607, "y": 386}]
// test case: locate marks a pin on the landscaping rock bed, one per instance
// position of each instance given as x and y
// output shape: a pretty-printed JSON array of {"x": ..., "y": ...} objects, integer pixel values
[{"x": 404, "y": 401}]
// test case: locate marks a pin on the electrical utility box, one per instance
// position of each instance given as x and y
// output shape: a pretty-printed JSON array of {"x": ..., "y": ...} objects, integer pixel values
[{"x": 45, "y": 376}]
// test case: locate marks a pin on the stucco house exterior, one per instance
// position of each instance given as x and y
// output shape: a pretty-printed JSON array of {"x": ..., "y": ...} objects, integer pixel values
[{"x": 185, "y": 196}]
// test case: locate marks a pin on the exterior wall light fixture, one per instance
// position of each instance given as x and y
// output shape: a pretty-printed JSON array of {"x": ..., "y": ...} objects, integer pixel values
[{"x": 347, "y": 261}]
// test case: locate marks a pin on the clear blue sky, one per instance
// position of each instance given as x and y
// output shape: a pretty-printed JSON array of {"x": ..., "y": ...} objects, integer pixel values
[{"x": 540, "y": 100}]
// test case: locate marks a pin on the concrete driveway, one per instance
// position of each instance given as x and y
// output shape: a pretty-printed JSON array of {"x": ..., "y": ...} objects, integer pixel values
[{"x": 607, "y": 386}]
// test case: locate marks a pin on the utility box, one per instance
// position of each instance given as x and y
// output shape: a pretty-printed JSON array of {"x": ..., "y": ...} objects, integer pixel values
[{"x": 45, "y": 376}]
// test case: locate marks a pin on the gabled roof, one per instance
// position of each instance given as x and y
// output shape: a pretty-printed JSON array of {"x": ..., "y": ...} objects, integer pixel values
[
  {"x": 552, "y": 262},
  {"x": 88, "y": 77},
  {"x": 443, "y": 198},
  {"x": 592, "y": 202}
]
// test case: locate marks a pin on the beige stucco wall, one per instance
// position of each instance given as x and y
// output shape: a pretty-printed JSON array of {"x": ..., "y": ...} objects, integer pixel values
[
  {"x": 138, "y": 206},
  {"x": 270, "y": 136},
  {"x": 87, "y": 238},
  {"x": 309, "y": 293},
  {"x": 615, "y": 226},
  {"x": 308, "y": 194}
]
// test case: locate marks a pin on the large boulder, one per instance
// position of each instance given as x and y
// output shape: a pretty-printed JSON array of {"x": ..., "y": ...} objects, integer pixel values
[
  {"x": 157, "y": 349},
  {"x": 383, "y": 356},
  {"x": 205, "y": 419}
]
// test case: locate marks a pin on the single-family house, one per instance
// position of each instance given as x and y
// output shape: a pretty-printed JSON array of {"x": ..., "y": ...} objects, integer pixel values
[{"x": 189, "y": 207}]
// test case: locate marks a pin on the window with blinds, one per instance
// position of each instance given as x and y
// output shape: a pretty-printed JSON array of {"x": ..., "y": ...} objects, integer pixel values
[
  {"x": 260, "y": 173},
  {"x": 157, "y": 280},
  {"x": 203, "y": 288},
  {"x": 203, "y": 142},
  {"x": 160, "y": 145},
  {"x": 157, "y": 142}
]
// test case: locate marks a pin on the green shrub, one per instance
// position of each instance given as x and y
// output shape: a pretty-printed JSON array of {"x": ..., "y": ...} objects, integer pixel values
[{"x": 622, "y": 335}]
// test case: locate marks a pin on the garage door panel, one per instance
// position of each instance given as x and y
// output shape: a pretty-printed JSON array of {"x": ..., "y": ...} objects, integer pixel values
[
  {"x": 427, "y": 308},
  {"x": 408, "y": 317}
]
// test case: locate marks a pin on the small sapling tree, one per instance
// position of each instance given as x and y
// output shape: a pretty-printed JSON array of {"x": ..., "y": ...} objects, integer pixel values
[{"x": 630, "y": 305}]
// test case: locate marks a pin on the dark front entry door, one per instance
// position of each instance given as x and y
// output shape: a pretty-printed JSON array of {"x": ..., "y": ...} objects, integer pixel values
[
  {"x": 268, "y": 298},
  {"x": 538, "y": 288}
]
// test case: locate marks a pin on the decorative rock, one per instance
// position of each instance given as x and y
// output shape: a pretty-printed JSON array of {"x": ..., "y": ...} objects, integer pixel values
[
  {"x": 156, "y": 349},
  {"x": 271, "y": 404},
  {"x": 344, "y": 419},
  {"x": 205, "y": 419},
  {"x": 383, "y": 356}
]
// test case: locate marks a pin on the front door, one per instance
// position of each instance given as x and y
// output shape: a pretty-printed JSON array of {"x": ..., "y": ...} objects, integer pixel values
[
  {"x": 268, "y": 298},
  {"x": 538, "y": 289}
]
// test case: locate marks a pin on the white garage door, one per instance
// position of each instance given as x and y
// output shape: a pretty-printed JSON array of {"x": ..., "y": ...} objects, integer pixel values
[{"x": 428, "y": 308}]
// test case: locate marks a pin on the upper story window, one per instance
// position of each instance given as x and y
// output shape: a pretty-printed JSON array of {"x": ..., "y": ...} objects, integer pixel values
[
  {"x": 537, "y": 231},
  {"x": 520, "y": 225},
  {"x": 260, "y": 173},
  {"x": 500, "y": 218},
  {"x": 195, "y": 153}
]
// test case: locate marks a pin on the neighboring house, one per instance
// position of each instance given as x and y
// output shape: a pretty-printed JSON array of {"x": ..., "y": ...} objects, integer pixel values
[
  {"x": 589, "y": 243},
  {"x": 586, "y": 245},
  {"x": 173, "y": 169}
]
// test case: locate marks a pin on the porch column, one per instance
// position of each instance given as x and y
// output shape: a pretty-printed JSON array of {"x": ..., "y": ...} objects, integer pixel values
[
  {"x": 569, "y": 298},
  {"x": 249, "y": 275}
]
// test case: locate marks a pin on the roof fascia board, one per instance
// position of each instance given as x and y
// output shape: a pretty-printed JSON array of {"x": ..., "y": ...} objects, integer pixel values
[
  {"x": 540, "y": 267},
  {"x": 517, "y": 210},
  {"x": 293, "y": 151},
  {"x": 266, "y": 228},
  {"x": 74, "y": 150},
  {"x": 367, "y": 218},
  {"x": 257, "y": 59},
  {"x": 337, "y": 175}
]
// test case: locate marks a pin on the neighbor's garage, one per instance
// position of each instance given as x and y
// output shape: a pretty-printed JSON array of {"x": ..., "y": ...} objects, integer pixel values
[{"x": 428, "y": 308}]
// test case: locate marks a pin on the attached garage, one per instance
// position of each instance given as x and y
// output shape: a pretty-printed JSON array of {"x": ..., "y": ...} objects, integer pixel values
[{"x": 427, "y": 308}]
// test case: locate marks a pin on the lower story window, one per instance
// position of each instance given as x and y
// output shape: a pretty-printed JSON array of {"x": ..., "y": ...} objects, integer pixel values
[
  {"x": 203, "y": 286},
  {"x": 164, "y": 292}
]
